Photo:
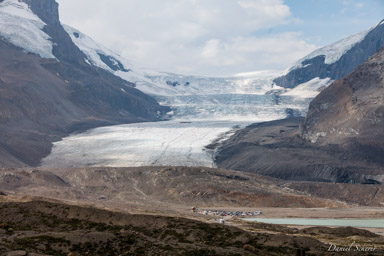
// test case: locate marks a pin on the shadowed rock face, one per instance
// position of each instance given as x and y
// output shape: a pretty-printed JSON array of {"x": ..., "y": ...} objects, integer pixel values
[
  {"x": 341, "y": 139},
  {"x": 47, "y": 10},
  {"x": 63, "y": 47},
  {"x": 316, "y": 67},
  {"x": 42, "y": 100}
]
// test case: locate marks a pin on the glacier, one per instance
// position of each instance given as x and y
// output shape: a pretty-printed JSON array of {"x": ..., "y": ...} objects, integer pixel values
[
  {"x": 204, "y": 110},
  {"x": 198, "y": 120},
  {"x": 143, "y": 144}
]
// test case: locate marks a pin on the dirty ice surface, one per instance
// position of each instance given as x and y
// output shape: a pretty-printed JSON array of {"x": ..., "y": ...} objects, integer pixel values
[{"x": 198, "y": 120}]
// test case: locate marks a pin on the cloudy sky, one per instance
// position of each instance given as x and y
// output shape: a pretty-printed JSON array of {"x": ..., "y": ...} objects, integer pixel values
[{"x": 218, "y": 37}]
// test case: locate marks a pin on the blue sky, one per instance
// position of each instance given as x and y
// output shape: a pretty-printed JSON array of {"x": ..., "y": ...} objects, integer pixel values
[
  {"x": 325, "y": 21},
  {"x": 219, "y": 37}
]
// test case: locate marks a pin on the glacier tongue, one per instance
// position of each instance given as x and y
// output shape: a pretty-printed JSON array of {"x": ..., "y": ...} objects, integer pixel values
[
  {"x": 21, "y": 27},
  {"x": 161, "y": 143},
  {"x": 198, "y": 121},
  {"x": 204, "y": 109}
]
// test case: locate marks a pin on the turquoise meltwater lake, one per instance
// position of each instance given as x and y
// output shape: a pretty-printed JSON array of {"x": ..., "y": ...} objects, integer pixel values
[{"x": 358, "y": 223}]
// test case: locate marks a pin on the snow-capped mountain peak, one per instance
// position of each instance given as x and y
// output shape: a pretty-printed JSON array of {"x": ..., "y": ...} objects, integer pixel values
[
  {"x": 336, "y": 60},
  {"x": 335, "y": 51},
  {"x": 97, "y": 54}
]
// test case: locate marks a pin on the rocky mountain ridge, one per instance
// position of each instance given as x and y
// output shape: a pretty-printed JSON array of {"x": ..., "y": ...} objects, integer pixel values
[{"x": 358, "y": 48}]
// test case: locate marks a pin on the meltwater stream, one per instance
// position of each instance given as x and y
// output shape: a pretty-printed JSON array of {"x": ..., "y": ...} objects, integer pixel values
[{"x": 198, "y": 120}]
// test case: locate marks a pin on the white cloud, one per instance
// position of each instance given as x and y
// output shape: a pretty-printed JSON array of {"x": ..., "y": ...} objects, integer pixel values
[{"x": 207, "y": 37}]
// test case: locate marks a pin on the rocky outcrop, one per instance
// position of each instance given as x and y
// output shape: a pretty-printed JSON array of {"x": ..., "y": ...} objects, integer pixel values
[
  {"x": 42, "y": 100},
  {"x": 340, "y": 140},
  {"x": 350, "y": 113},
  {"x": 316, "y": 67},
  {"x": 63, "y": 47}
]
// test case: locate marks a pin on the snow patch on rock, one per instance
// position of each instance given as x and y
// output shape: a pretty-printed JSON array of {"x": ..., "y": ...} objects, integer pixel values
[
  {"x": 92, "y": 49},
  {"x": 309, "y": 89}
]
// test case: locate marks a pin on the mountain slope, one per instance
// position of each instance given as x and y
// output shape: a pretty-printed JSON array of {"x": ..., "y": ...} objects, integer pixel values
[
  {"x": 160, "y": 188},
  {"x": 336, "y": 60},
  {"x": 39, "y": 227},
  {"x": 350, "y": 113},
  {"x": 43, "y": 99},
  {"x": 341, "y": 139}
]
